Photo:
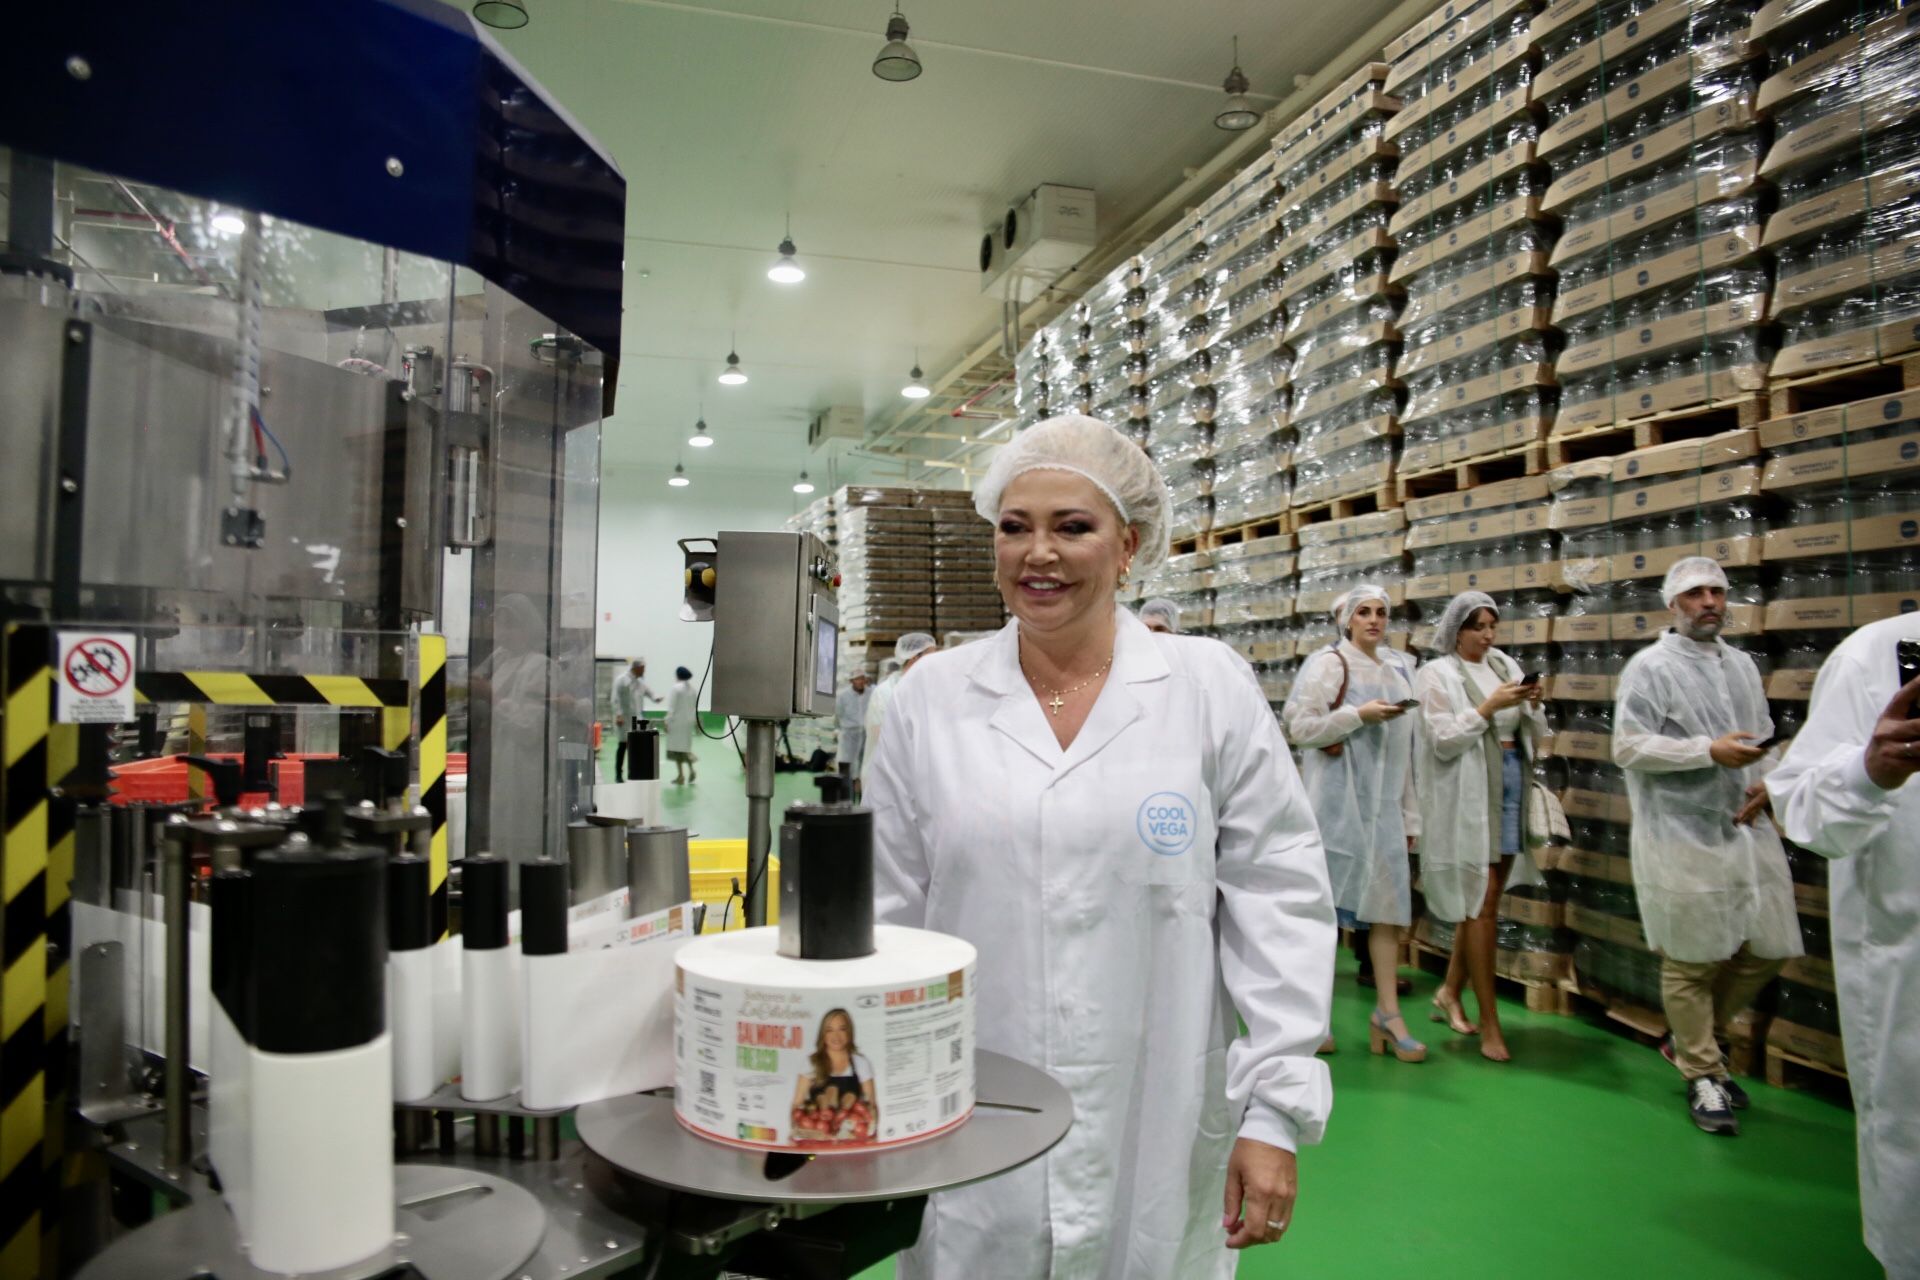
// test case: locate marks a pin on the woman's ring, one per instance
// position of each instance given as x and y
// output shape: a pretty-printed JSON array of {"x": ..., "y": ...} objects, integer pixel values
[{"x": 1275, "y": 1226}]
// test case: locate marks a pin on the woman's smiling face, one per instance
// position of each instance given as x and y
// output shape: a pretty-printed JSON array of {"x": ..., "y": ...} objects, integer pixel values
[{"x": 1059, "y": 548}]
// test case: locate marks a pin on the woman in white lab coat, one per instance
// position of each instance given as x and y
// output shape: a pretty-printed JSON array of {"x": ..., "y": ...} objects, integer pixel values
[
  {"x": 1345, "y": 716},
  {"x": 1113, "y": 819},
  {"x": 1475, "y": 735},
  {"x": 682, "y": 712}
]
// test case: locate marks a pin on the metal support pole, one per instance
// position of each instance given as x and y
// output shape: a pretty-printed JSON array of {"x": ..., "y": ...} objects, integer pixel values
[
  {"x": 486, "y": 1133},
  {"x": 546, "y": 1138},
  {"x": 760, "y": 753},
  {"x": 179, "y": 1077}
]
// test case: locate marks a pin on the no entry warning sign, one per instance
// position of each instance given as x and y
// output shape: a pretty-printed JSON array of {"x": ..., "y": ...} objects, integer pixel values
[{"x": 96, "y": 677}]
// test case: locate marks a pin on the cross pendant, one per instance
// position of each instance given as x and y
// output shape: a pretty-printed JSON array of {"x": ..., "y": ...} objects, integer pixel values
[{"x": 1056, "y": 704}]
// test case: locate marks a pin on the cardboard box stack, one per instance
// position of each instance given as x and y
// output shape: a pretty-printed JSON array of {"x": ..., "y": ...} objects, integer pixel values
[
  {"x": 1338, "y": 555},
  {"x": 1844, "y": 101},
  {"x": 1337, "y": 171},
  {"x": 1655, "y": 151},
  {"x": 886, "y": 571},
  {"x": 964, "y": 595},
  {"x": 1474, "y": 244},
  {"x": 1253, "y": 608}
]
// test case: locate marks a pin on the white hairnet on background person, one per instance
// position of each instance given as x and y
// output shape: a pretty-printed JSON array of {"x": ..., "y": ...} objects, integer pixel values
[
  {"x": 1089, "y": 448},
  {"x": 1349, "y": 604},
  {"x": 912, "y": 645},
  {"x": 1694, "y": 571},
  {"x": 1462, "y": 607},
  {"x": 1161, "y": 607},
  {"x": 888, "y": 666}
]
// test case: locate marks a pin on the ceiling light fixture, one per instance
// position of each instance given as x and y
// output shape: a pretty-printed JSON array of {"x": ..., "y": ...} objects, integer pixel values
[
  {"x": 508, "y": 15},
  {"x": 700, "y": 439},
  {"x": 803, "y": 485},
  {"x": 1238, "y": 114},
  {"x": 786, "y": 270},
  {"x": 916, "y": 389},
  {"x": 733, "y": 375},
  {"x": 679, "y": 477},
  {"x": 229, "y": 223},
  {"x": 897, "y": 61}
]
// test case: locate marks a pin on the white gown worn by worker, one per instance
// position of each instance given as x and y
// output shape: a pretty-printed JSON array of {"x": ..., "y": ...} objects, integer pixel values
[
  {"x": 1459, "y": 774},
  {"x": 682, "y": 710},
  {"x": 1364, "y": 798},
  {"x": 1705, "y": 885},
  {"x": 1826, "y": 802},
  {"x": 879, "y": 698},
  {"x": 850, "y": 719},
  {"x": 1092, "y": 882}
]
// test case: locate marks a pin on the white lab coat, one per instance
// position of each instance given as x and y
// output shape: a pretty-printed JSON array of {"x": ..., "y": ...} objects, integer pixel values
[
  {"x": 1705, "y": 886},
  {"x": 879, "y": 698},
  {"x": 630, "y": 697},
  {"x": 1127, "y": 896},
  {"x": 1826, "y": 802},
  {"x": 1458, "y": 771},
  {"x": 1364, "y": 798},
  {"x": 850, "y": 718},
  {"x": 683, "y": 711}
]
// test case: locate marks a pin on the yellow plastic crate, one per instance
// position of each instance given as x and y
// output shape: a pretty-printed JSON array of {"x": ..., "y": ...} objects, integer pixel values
[{"x": 714, "y": 865}]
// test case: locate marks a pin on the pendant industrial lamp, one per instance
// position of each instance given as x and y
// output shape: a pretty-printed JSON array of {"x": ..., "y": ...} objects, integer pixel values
[
  {"x": 508, "y": 15},
  {"x": 916, "y": 388},
  {"x": 679, "y": 477},
  {"x": 803, "y": 485},
  {"x": 786, "y": 270},
  {"x": 1238, "y": 114},
  {"x": 733, "y": 375},
  {"x": 700, "y": 439},
  {"x": 897, "y": 61}
]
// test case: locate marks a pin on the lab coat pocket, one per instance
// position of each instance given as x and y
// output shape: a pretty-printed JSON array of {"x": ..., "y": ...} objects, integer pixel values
[{"x": 1172, "y": 838}]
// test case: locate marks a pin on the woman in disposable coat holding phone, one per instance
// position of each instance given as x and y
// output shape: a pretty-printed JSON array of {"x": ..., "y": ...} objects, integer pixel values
[
  {"x": 1112, "y": 817},
  {"x": 1478, "y": 723}
]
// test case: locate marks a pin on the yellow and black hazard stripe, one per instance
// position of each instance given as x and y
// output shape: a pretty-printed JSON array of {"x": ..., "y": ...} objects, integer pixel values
[
  {"x": 242, "y": 689},
  {"x": 433, "y": 766},
  {"x": 25, "y": 760}
]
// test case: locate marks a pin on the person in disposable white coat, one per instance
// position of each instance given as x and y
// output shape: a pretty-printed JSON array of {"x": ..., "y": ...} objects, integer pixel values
[
  {"x": 631, "y": 695},
  {"x": 1348, "y": 698},
  {"x": 683, "y": 711},
  {"x": 1475, "y": 739},
  {"x": 1113, "y": 819},
  {"x": 1715, "y": 894},
  {"x": 1845, "y": 789},
  {"x": 908, "y": 650},
  {"x": 1162, "y": 615}
]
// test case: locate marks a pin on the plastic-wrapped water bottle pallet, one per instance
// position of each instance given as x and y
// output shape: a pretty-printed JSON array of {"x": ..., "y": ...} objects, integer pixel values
[
  {"x": 1248, "y": 531},
  {"x": 1468, "y": 473},
  {"x": 1862, "y": 381},
  {"x": 1383, "y": 498},
  {"x": 1691, "y": 423}
]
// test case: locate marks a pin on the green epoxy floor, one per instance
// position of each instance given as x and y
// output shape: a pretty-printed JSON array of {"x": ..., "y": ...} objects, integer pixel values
[{"x": 1575, "y": 1160}]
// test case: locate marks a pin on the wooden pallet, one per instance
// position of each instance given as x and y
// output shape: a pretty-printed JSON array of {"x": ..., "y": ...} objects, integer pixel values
[
  {"x": 1265, "y": 527},
  {"x": 1187, "y": 546},
  {"x": 1791, "y": 1071},
  {"x": 1692, "y": 423},
  {"x": 1355, "y": 504},
  {"x": 1468, "y": 473},
  {"x": 1863, "y": 381}
]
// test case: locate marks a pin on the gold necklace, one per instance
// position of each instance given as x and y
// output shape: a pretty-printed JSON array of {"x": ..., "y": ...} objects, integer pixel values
[{"x": 1059, "y": 695}]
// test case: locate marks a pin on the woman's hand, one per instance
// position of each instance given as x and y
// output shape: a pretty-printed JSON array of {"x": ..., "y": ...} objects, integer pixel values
[
  {"x": 1510, "y": 694},
  {"x": 1262, "y": 1182},
  {"x": 1379, "y": 709}
]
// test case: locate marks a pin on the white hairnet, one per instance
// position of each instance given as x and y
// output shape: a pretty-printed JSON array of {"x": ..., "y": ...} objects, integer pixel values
[
  {"x": 912, "y": 645},
  {"x": 1459, "y": 609},
  {"x": 1694, "y": 571},
  {"x": 1349, "y": 603},
  {"x": 1161, "y": 607},
  {"x": 1089, "y": 447}
]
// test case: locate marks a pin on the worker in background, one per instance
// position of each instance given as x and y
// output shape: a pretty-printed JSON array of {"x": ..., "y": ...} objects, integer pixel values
[
  {"x": 683, "y": 716},
  {"x": 630, "y": 698},
  {"x": 909, "y": 649},
  {"x": 1479, "y": 723},
  {"x": 1162, "y": 615},
  {"x": 1846, "y": 790},
  {"x": 1114, "y": 820},
  {"x": 850, "y": 715},
  {"x": 1345, "y": 714},
  {"x": 1716, "y": 897}
]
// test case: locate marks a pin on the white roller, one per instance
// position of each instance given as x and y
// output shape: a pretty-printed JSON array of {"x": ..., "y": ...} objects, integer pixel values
[
  {"x": 489, "y": 1023},
  {"x": 410, "y": 1021}
]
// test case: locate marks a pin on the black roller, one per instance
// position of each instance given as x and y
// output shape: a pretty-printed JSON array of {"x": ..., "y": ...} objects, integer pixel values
[
  {"x": 230, "y": 950},
  {"x": 409, "y": 918},
  {"x": 483, "y": 903},
  {"x": 543, "y": 908},
  {"x": 826, "y": 882},
  {"x": 318, "y": 972}
]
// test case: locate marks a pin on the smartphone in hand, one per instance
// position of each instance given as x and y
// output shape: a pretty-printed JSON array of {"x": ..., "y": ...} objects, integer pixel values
[
  {"x": 1532, "y": 677},
  {"x": 1907, "y": 654},
  {"x": 1407, "y": 704}
]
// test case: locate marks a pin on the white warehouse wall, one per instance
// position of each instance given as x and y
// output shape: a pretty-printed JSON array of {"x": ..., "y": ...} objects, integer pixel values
[{"x": 640, "y": 567}]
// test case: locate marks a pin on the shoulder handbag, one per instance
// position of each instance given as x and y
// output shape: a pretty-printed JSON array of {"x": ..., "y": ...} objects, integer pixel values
[
  {"x": 1339, "y": 749},
  {"x": 1545, "y": 819}
]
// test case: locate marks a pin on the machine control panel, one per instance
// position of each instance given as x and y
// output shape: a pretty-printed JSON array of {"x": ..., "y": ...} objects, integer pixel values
[{"x": 776, "y": 636}]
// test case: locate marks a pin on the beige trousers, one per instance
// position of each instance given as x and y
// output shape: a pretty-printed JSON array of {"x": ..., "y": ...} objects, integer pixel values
[{"x": 1702, "y": 999}]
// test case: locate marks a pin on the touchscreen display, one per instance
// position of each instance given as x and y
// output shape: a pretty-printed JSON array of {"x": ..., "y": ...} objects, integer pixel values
[{"x": 826, "y": 650}]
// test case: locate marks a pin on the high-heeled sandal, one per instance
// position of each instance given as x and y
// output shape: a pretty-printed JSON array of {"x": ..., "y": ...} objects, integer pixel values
[
  {"x": 1453, "y": 1016},
  {"x": 1405, "y": 1048}
]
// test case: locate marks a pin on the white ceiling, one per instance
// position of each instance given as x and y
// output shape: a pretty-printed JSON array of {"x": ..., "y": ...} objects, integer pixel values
[{"x": 724, "y": 115}]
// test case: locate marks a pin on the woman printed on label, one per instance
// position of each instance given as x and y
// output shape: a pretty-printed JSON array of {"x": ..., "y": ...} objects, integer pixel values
[
  {"x": 1346, "y": 715},
  {"x": 1475, "y": 732},
  {"x": 1113, "y": 818},
  {"x": 834, "y": 1102}
]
